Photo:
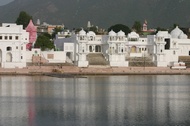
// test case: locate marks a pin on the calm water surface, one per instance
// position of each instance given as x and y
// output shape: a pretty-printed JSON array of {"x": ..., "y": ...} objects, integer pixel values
[{"x": 95, "y": 101}]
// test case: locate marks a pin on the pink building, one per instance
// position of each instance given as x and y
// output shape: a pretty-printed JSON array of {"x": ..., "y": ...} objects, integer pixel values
[{"x": 32, "y": 34}]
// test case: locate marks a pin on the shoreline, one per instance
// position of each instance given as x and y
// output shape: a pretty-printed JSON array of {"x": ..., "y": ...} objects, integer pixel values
[{"x": 67, "y": 71}]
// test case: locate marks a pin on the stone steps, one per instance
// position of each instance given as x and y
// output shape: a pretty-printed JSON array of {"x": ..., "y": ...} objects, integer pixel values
[
  {"x": 97, "y": 59},
  {"x": 140, "y": 62}
]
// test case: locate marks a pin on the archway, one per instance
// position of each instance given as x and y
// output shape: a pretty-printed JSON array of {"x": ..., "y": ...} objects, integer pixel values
[
  {"x": 90, "y": 48},
  {"x": 9, "y": 57},
  {"x": 98, "y": 48},
  {"x": 69, "y": 57},
  {"x": 133, "y": 49}
]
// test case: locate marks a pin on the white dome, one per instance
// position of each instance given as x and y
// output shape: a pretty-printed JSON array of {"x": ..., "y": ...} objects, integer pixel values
[
  {"x": 91, "y": 33},
  {"x": 82, "y": 33},
  {"x": 133, "y": 35},
  {"x": 175, "y": 33},
  {"x": 121, "y": 33},
  {"x": 183, "y": 36},
  {"x": 112, "y": 33}
]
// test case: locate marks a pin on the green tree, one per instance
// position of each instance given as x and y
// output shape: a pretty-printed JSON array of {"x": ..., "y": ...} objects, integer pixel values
[
  {"x": 160, "y": 29},
  {"x": 55, "y": 31},
  {"x": 137, "y": 26},
  {"x": 44, "y": 43},
  {"x": 118, "y": 27},
  {"x": 94, "y": 29},
  {"x": 77, "y": 30},
  {"x": 23, "y": 19},
  {"x": 47, "y": 35}
]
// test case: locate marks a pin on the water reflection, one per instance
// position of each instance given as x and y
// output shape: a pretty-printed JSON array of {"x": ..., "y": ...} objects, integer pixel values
[{"x": 109, "y": 100}]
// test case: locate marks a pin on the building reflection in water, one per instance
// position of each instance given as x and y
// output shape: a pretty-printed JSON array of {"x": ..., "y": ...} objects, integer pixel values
[{"x": 109, "y": 100}]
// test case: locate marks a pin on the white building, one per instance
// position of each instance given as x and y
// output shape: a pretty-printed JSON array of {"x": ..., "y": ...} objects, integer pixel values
[
  {"x": 13, "y": 40},
  {"x": 163, "y": 48},
  {"x": 168, "y": 47},
  {"x": 13, "y": 53},
  {"x": 136, "y": 45}
]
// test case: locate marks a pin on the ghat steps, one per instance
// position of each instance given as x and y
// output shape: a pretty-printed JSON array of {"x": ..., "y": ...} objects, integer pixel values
[
  {"x": 96, "y": 59},
  {"x": 140, "y": 62}
]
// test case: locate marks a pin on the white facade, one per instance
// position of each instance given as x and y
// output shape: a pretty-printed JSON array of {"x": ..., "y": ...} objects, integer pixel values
[
  {"x": 117, "y": 49},
  {"x": 163, "y": 48},
  {"x": 49, "y": 56},
  {"x": 136, "y": 46},
  {"x": 168, "y": 47},
  {"x": 13, "y": 40},
  {"x": 13, "y": 53}
]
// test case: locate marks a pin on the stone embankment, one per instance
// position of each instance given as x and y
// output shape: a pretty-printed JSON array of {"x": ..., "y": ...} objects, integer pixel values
[{"x": 93, "y": 70}]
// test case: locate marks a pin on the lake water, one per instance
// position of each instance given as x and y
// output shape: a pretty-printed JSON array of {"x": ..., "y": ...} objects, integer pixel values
[{"x": 154, "y": 100}]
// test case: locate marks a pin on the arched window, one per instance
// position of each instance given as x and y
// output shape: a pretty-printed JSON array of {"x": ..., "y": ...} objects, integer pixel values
[
  {"x": 133, "y": 49},
  {"x": 90, "y": 48},
  {"x": 91, "y": 38},
  {"x": 98, "y": 48}
]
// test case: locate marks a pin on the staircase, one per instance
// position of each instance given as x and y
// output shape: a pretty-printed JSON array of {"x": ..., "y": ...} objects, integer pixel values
[
  {"x": 39, "y": 59},
  {"x": 140, "y": 62},
  {"x": 96, "y": 59}
]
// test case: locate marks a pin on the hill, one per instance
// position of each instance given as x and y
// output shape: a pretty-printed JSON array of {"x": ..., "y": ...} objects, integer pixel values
[{"x": 104, "y": 13}]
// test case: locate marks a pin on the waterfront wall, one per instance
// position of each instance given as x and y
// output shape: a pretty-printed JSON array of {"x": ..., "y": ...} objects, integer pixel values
[{"x": 93, "y": 70}]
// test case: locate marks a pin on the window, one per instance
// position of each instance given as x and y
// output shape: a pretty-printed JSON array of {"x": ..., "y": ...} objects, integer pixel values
[
  {"x": 1, "y": 37},
  {"x": 174, "y": 52},
  {"x": 16, "y": 47},
  {"x": 6, "y": 37},
  {"x": 91, "y": 38},
  {"x": 50, "y": 56},
  {"x": 9, "y": 48},
  {"x": 21, "y": 47},
  {"x": 16, "y": 37},
  {"x": 21, "y": 57},
  {"x": 10, "y": 38}
]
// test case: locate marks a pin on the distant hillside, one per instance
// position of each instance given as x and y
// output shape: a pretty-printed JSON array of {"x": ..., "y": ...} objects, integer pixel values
[{"x": 104, "y": 13}]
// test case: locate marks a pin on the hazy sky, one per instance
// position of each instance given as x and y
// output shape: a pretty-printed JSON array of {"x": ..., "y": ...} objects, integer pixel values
[{"x": 3, "y": 2}]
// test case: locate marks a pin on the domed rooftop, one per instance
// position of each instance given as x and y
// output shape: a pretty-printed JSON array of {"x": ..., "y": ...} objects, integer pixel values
[
  {"x": 91, "y": 33},
  {"x": 133, "y": 35},
  {"x": 121, "y": 33},
  {"x": 112, "y": 33},
  {"x": 175, "y": 33},
  {"x": 82, "y": 32},
  {"x": 183, "y": 36}
]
